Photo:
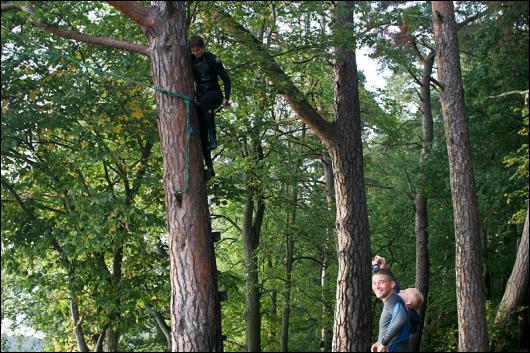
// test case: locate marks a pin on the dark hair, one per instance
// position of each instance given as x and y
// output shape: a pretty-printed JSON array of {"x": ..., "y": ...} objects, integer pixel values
[
  {"x": 196, "y": 42},
  {"x": 385, "y": 272}
]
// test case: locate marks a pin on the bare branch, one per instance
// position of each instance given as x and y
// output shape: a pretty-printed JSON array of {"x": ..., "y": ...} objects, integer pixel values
[{"x": 524, "y": 93}]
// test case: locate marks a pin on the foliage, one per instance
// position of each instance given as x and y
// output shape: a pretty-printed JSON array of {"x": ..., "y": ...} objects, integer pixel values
[{"x": 80, "y": 152}]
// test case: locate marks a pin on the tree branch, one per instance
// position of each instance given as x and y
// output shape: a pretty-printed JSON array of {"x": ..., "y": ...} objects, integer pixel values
[
  {"x": 85, "y": 38},
  {"x": 280, "y": 81},
  {"x": 135, "y": 11}
]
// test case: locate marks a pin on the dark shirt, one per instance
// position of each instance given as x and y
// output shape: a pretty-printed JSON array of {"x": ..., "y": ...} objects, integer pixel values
[
  {"x": 206, "y": 72},
  {"x": 393, "y": 324}
]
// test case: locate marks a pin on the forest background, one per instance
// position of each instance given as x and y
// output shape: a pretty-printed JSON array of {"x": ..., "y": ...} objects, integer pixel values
[{"x": 84, "y": 234}]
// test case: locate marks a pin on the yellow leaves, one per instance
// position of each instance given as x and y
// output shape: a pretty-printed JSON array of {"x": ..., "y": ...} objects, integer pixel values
[
  {"x": 5, "y": 103},
  {"x": 33, "y": 94},
  {"x": 113, "y": 229},
  {"x": 137, "y": 114},
  {"x": 136, "y": 111},
  {"x": 85, "y": 144},
  {"x": 117, "y": 129}
]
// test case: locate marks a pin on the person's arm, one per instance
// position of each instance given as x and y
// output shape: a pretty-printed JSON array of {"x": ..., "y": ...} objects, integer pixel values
[
  {"x": 224, "y": 76},
  {"x": 399, "y": 320}
]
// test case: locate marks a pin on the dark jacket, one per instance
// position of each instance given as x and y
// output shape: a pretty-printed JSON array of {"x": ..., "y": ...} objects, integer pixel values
[{"x": 206, "y": 72}]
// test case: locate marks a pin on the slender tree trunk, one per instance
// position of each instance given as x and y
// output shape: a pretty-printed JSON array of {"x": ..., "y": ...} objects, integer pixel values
[
  {"x": 112, "y": 334},
  {"x": 517, "y": 286},
  {"x": 195, "y": 307},
  {"x": 80, "y": 338},
  {"x": 472, "y": 329},
  {"x": 420, "y": 202},
  {"x": 252, "y": 222},
  {"x": 162, "y": 325},
  {"x": 273, "y": 312},
  {"x": 289, "y": 258},
  {"x": 326, "y": 332},
  {"x": 252, "y": 283}
]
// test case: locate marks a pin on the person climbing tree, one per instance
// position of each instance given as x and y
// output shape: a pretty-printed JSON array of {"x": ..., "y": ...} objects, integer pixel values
[{"x": 207, "y": 68}]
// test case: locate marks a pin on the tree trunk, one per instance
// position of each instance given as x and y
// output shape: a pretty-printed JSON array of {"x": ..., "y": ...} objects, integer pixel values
[
  {"x": 195, "y": 307},
  {"x": 420, "y": 202},
  {"x": 112, "y": 338},
  {"x": 517, "y": 286},
  {"x": 326, "y": 332},
  {"x": 74, "y": 310},
  {"x": 289, "y": 258},
  {"x": 472, "y": 329},
  {"x": 352, "y": 324},
  {"x": 252, "y": 282}
]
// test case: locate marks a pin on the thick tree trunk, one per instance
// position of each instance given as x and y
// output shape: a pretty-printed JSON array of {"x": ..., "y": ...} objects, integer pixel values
[
  {"x": 352, "y": 325},
  {"x": 195, "y": 307},
  {"x": 420, "y": 202},
  {"x": 472, "y": 329},
  {"x": 517, "y": 286}
]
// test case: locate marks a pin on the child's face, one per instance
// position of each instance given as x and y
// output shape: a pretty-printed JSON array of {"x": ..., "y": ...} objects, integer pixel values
[
  {"x": 409, "y": 298},
  {"x": 382, "y": 285}
]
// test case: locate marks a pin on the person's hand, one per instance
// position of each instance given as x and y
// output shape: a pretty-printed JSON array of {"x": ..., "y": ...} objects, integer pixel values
[
  {"x": 226, "y": 103},
  {"x": 382, "y": 348},
  {"x": 374, "y": 347},
  {"x": 380, "y": 261}
]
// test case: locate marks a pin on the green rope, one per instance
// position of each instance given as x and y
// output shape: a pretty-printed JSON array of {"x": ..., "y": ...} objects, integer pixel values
[{"x": 187, "y": 100}]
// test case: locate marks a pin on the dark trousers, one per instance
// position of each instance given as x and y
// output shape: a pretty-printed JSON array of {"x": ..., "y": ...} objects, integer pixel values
[{"x": 207, "y": 104}]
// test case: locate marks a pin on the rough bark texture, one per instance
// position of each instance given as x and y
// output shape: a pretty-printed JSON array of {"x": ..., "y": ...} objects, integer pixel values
[
  {"x": 517, "y": 286},
  {"x": 351, "y": 331},
  {"x": 195, "y": 307},
  {"x": 470, "y": 294}
]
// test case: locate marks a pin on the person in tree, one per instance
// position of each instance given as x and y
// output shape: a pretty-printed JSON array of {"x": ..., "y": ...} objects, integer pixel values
[
  {"x": 207, "y": 68},
  {"x": 394, "y": 333}
]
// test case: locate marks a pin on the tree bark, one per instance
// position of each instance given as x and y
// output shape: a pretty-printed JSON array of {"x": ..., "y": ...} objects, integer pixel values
[
  {"x": 252, "y": 222},
  {"x": 352, "y": 324},
  {"x": 289, "y": 259},
  {"x": 195, "y": 307},
  {"x": 420, "y": 202},
  {"x": 80, "y": 338},
  {"x": 517, "y": 286},
  {"x": 326, "y": 331},
  {"x": 472, "y": 329}
]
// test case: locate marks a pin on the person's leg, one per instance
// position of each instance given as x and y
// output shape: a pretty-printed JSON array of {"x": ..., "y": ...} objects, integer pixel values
[
  {"x": 203, "y": 128},
  {"x": 209, "y": 101}
]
